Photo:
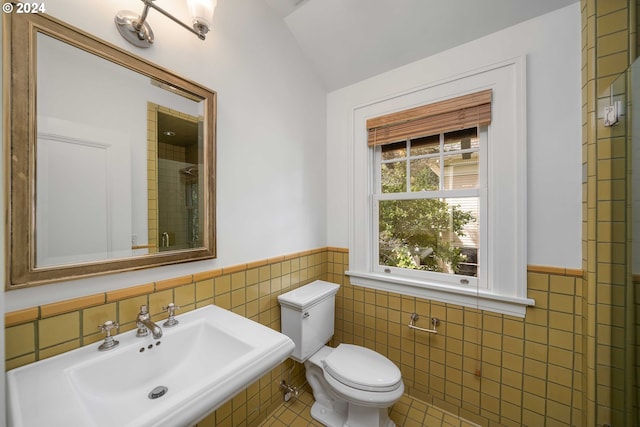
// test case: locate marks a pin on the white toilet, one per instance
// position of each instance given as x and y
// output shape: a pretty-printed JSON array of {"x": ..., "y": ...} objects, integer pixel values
[{"x": 352, "y": 386}]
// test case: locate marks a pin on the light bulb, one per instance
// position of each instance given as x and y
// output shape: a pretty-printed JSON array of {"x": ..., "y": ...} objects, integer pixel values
[{"x": 201, "y": 13}]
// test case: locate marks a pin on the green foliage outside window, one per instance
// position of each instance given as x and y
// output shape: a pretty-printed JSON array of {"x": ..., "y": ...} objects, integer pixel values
[{"x": 420, "y": 233}]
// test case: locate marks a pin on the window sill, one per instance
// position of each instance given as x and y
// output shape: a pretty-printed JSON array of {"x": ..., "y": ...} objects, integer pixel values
[{"x": 475, "y": 298}]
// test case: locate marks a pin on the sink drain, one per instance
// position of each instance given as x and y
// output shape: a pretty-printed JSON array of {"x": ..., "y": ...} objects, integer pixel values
[{"x": 158, "y": 392}]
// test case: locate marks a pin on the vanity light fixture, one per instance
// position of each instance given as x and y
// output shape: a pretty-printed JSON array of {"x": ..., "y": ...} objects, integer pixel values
[{"x": 137, "y": 31}]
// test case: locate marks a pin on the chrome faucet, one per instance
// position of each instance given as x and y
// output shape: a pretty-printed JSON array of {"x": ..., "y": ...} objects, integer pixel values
[{"x": 145, "y": 324}]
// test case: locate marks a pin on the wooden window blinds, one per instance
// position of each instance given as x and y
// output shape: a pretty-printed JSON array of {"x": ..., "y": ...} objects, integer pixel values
[{"x": 452, "y": 114}]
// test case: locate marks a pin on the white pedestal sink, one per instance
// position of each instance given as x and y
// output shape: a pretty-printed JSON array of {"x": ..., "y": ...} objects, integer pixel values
[{"x": 176, "y": 380}]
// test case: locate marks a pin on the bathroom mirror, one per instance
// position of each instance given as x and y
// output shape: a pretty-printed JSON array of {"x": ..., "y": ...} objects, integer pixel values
[{"x": 110, "y": 158}]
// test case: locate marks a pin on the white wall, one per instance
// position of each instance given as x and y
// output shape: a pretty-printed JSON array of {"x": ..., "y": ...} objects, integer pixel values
[
  {"x": 271, "y": 133},
  {"x": 552, "y": 49}
]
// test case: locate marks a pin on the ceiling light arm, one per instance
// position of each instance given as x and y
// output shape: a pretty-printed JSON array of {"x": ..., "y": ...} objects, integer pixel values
[
  {"x": 201, "y": 29},
  {"x": 136, "y": 30}
]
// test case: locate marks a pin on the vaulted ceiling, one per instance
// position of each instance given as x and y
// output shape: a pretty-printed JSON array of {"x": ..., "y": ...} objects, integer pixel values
[{"x": 350, "y": 40}]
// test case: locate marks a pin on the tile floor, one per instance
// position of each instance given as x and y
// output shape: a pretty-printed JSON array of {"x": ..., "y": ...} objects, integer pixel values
[{"x": 408, "y": 412}]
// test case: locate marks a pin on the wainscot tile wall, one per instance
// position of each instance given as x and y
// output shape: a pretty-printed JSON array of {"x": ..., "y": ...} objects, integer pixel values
[
  {"x": 250, "y": 290},
  {"x": 491, "y": 369},
  {"x": 609, "y": 46},
  {"x": 487, "y": 368}
]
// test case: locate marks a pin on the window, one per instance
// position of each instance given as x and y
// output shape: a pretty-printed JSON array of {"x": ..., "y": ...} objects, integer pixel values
[
  {"x": 427, "y": 200},
  {"x": 438, "y": 205}
]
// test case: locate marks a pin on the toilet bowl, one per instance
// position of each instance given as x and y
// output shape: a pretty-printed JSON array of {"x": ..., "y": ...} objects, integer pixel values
[{"x": 352, "y": 385}]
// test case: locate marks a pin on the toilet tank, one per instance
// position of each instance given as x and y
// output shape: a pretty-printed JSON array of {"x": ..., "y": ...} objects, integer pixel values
[{"x": 307, "y": 317}]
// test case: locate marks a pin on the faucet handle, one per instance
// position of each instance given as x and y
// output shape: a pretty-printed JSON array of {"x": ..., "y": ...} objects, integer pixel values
[
  {"x": 109, "y": 342},
  {"x": 144, "y": 309},
  {"x": 171, "y": 309}
]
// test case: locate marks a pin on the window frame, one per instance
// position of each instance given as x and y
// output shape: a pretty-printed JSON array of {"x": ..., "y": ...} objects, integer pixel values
[
  {"x": 505, "y": 264},
  {"x": 481, "y": 192}
]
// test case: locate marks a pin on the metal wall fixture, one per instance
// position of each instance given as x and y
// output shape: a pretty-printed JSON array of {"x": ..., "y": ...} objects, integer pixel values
[
  {"x": 136, "y": 30},
  {"x": 434, "y": 321},
  {"x": 288, "y": 391}
]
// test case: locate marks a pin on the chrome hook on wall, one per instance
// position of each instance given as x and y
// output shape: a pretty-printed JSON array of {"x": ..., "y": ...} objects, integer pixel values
[{"x": 434, "y": 321}]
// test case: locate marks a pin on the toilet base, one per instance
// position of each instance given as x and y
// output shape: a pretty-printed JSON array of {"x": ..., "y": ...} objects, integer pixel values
[
  {"x": 350, "y": 416},
  {"x": 335, "y": 416},
  {"x": 335, "y": 411}
]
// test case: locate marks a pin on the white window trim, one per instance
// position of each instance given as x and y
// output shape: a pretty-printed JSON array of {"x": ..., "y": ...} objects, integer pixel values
[{"x": 505, "y": 263}]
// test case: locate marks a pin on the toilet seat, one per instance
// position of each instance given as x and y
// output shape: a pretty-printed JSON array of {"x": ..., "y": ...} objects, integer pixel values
[{"x": 362, "y": 369}]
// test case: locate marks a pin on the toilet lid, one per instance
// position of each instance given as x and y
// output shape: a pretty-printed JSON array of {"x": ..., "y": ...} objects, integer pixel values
[{"x": 362, "y": 368}]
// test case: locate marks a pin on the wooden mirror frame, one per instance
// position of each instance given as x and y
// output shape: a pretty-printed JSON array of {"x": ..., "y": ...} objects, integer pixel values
[{"x": 20, "y": 138}]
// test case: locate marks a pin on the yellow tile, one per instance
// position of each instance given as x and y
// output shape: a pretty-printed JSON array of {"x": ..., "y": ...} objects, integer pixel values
[
  {"x": 534, "y": 403},
  {"x": 558, "y": 319},
  {"x": 452, "y": 330},
  {"x": 94, "y": 317},
  {"x": 538, "y": 281},
  {"x": 276, "y": 268},
  {"x": 559, "y": 412},
  {"x": 540, "y": 297},
  {"x": 131, "y": 292},
  {"x": 537, "y": 316},
  {"x": 204, "y": 289},
  {"x": 606, "y": 7},
  {"x": 492, "y": 323},
  {"x": 512, "y": 346},
  {"x": 455, "y": 315},
  {"x": 20, "y": 316},
  {"x": 513, "y": 378},
  {"x": 66, "y": 306},
  {"x": 59, "y": 349},
  {"x": 205, "y": 275},
  {"x": 559, "y": 393},
  {"x": 172, "y": 283},
  {"x": 238, "y": 297},
  {"x": 204, "y": 303},
  {"x": 536, "y": 367},
  {"x": 58, "y": 329},
  {"x": 535, "y": 333},
  {"x": 253, "y": 292},
  {"x": 511, "y": 401},
  {"x": 20, "y": 340},
  {"x": 223, "y": 301},
  {"x": 561, "y": 302},
  {"x": 513, "y": 328},
  {"x": 611, "y": 23},
  {"x": 252, "y": 276},
  {"x": 562, "y": 285},
  {"x": 559, "y": 374},
  {"x": 184, "y": 295},
  {"x": 394, "y": 302},
  {"x": 129, "y": 308},
  {"x": 535, "y": 383},
  {"x": 20, "y": 361},
  {"x": 512, "y": 362},
  {"x": 276, "y": 284},
  {"x": 488, "y": 401},
  {"x": 238, "y": 280},
  {"x": 222, "y": 284},
  {"x": 561, "y": 339},
  {"x": 295, "y": 262},
  {"x": 158, "y": 301}
]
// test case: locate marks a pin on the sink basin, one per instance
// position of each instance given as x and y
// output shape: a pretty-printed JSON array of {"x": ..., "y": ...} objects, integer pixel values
[{"x": 173, "y": 381}]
